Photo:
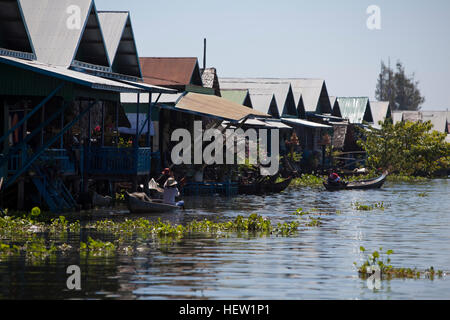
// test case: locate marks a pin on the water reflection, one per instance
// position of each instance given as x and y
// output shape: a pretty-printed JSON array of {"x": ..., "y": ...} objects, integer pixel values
[{"x": 315, "y": 264}]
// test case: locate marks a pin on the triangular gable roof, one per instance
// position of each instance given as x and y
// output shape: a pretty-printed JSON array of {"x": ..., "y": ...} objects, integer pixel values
[
  {"x": 171, "y": 71},
  {"x": 336, "y": 109},
  {"x": 241, "y": 96},
  {"x": 120, "y": 43},
  {"x": 14, "y": 34},
  {"x": 381, "y": 110},
  {"x": 282, "y": 91},
  {"x": 58, "y": 44},
  {"x": 397, "y": 117},
  {"x": 313, "y": 92},
  {"x": 356, "y": 109},
  {"x": 437, "y": 118}
]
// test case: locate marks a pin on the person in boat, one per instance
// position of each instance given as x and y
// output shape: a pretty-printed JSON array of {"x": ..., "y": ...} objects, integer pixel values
[
  {"x": 171, "y": 192},
  {"x": 334, "y": 179},
  {"x": 165, "y": 175}
]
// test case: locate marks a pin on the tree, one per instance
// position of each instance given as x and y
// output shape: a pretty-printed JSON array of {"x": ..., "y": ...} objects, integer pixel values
[
  {"x": 407, "y": 148},
  {"x": 400, "y": 90}
]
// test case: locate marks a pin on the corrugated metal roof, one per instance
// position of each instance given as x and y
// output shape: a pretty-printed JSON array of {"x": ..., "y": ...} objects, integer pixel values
[
  {"x": 54, "y": 42},
  {"x": 356, "y": 109},
  {"x": 380, "y": 111},
  {"x": 264, "y": 103},
  {"x": 236, "y": 96},
  {"x": 412, "y": 116},
  {"x": 305, "y": 123},
  {"x": 397, "y": 117},
  {"x": 120, "y": 42},
  {"x": 437, "y": 118},
  {"x": 216, "y": 107},
  {"x": 313, "y": 92},
  {"x": 266, "y": 95},
  {"x": 14, "y": 31},
  {"x": 281, "y": 89},
  {"x": 170, "y": 71},
  {"x": 70, "y": 75}
]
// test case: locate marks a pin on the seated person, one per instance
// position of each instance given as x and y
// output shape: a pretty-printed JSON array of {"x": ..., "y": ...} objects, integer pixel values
[
  {"x": 171, "y": 191},
  {"x": 334, "y": 179}
]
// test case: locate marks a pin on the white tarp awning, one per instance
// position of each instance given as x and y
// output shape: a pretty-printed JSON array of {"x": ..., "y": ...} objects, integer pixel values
[
  {"x": 278, "y": 125},
  {"x": 132, "y": 117},
  {"x": 305, "y": 123}
]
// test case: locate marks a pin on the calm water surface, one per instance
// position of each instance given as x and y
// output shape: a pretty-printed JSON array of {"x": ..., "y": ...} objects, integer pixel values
[{"x": 317, "y": 263}]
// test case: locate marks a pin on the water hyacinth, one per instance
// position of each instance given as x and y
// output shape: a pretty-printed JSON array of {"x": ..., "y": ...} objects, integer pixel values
[
  {"x": 31, "y": 234},
  {"x": 381, "y": 262}
]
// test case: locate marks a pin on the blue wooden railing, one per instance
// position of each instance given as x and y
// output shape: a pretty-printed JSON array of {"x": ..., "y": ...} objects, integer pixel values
[
  {"x": 118, "y": 161},
  {"x": 59, "y": 157}
]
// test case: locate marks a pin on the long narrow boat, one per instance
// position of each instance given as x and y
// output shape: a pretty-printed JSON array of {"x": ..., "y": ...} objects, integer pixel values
[
  {"x": 277, "y": 187},
  {"x": 136, "y": 205},
  {"x": 264, "y": 187},
  {"x": 376, "y": 183}
]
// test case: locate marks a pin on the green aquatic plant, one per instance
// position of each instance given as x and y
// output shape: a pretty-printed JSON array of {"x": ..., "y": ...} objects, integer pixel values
[
  {"x": 308, "y": 180},
  {"x": 381, "y": 261},
  {"x": 405, "y": 178},
  {"x": 423, "y": 194},
  {"x": 96, "y": 248},
  {"x": 363, "y": 207},
  {"x": 300, "y": 212}
]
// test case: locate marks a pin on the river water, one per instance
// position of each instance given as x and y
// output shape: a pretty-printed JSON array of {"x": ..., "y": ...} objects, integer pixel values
[{"x": 316, "y": 263}]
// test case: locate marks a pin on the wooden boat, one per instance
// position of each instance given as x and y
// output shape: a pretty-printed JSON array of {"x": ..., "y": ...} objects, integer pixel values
[
  {"x": 277, "y": 187},
  {"x": 101, "y": 201},
  {"x": 376, "y": 183},
  {"x": 136, "y": 205},
  {"x": 264, "y": 187}
]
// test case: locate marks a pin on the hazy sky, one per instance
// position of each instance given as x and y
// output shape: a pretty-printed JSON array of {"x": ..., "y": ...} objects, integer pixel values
[{"x": 298, "y": 38}]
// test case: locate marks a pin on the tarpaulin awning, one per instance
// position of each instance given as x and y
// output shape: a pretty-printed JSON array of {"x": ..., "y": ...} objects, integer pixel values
[
  {"x": 253, "y": 123},
  {"x": 278, "y": 125},
  {"x": 304, "y": 123},
  {"x": 132, "y": 117}
]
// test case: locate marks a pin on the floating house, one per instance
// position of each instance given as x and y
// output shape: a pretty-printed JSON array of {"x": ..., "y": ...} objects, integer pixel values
[{"x": 60, "y": 97}]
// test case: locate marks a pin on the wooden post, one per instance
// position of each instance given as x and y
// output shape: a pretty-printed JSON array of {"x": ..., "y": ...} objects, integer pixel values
[
  {"x": 6, "y": 141},
  {"x": 89, "y": 128},
  {"x": 21, "y": 194},
  {"x": 137, "y": 119},
  {"x": 42, "y": 121},
  {"x": 149, "y": 116},
  {"x": 103, "y": 124},
  {"x": 117, "y": 123},
  {"x": 61, "y": 144}
]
